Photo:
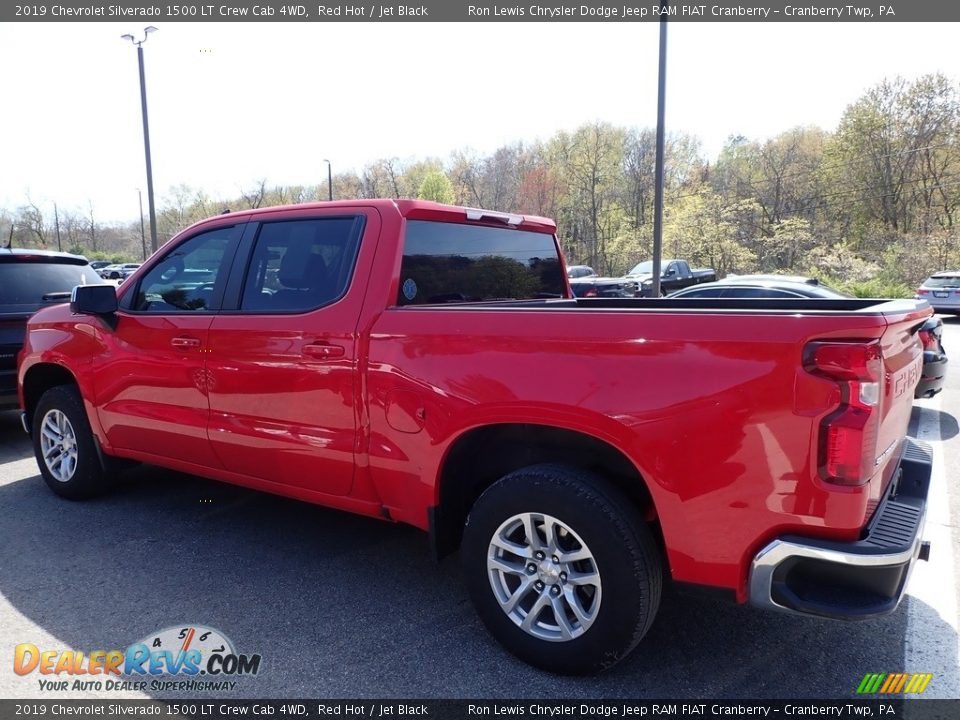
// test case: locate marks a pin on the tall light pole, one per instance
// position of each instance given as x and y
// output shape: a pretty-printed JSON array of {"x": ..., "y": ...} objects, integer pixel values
[
  {"x": 143, "y": 235},
  {"x": 146, "y": 132},
  {"x": 329, "y": 180},
  {"x": 56, "y": 220},
  {"x": 658, "y": 165}
]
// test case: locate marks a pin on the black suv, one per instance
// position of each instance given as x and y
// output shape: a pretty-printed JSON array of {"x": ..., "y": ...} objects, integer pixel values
[{"x": 30, "y": 280}]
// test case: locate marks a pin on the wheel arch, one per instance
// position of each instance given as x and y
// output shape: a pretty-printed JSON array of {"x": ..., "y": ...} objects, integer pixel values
[
  {"x": 41, "y": 377},
  {"x": 482, "y": 455}
]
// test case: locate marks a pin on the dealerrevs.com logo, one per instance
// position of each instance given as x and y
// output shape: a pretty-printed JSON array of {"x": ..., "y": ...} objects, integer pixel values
[{"x": 182, "y": 658}]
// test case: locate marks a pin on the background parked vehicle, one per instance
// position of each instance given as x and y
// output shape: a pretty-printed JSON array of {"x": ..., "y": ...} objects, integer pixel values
[
  {"x": 594, "y": 287},
  {"x": 119, "y": 271},
  {"x": 580, "y": 271},
  {"x": 126, "y": 270},
  {"x": 761, "y": 286},
  {"x": 674, "y": 275},
  {"x": 773, "y": 287},
  {"x": 106, "y": 270},
  {"x": 30, "y": 280},
  {"x": 942, "y": 291},
  {"x": 98, "y": 265},
  {"x": 585, "y": 283},
  {"x": 934, "y": 359},
  {"x": 774, "y": 277}
]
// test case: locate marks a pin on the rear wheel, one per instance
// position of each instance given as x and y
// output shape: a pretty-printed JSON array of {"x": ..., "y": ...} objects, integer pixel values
[
  {"x": 64, "y": 446},
  {"x": 561, "y": 568}
]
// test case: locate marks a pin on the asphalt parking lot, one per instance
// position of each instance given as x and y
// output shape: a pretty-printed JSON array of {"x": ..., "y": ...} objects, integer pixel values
[{"x": 344, "y": 607}]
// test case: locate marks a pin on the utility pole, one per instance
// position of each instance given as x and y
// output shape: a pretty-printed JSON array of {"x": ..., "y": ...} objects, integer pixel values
[
  {"x": 56, "y": 221},
  {"x": 329, "y": 180},
  {"x": 143, "y": 236},
  {"x": 658, "y": 170},
  {"x": 146, "y": 131}
]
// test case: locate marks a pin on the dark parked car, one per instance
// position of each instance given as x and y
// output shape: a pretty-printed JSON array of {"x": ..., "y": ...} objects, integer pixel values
[
  {"x": 585, "y": 283},
  {"x": 793, "y": 287},
  {"x": 674, "y": 275},
  {"x": 580, "y": 271},
  {"x": 30, "y": 280}
]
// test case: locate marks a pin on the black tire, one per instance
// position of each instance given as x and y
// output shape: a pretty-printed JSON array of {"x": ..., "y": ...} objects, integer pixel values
[
  {"x": 87, "y": 478},
  {"x": 624, "y": 556}
]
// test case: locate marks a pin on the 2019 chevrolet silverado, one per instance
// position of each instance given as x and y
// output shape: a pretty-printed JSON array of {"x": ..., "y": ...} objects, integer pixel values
[{"x": 404, "y": 360}]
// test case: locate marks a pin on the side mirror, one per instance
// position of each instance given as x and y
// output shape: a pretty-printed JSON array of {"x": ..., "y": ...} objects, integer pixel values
[{"x": 94, "y": 300}]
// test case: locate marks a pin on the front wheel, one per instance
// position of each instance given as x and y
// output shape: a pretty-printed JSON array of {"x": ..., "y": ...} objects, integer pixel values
[
  {"x": 561, "y": 568},
  {"x": 64, "y": 446}
]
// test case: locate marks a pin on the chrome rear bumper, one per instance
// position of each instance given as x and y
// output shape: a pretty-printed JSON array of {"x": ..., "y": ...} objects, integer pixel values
[{"x": 854, "y": 580}]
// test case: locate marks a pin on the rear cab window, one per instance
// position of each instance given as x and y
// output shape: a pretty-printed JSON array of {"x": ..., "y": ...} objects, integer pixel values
[
  {"x": 943, "y": 281},
  {"x": 32, "y": 283},
  {"x": 457, "y": 263}
]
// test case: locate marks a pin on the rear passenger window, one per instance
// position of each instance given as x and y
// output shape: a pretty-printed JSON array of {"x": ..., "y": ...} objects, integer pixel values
[
  {"x": 190, "y": 277},
  {"x": 300, "y": 265},
  {"x": 447, "y": 262}
]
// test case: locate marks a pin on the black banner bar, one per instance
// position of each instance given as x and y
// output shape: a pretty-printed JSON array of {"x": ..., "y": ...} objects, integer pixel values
[
  {"x": 222, "y": 709},
  {"x": 481, "y": 11}
]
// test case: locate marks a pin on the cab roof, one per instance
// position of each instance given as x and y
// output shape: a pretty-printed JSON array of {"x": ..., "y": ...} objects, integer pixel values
[
  {"x": 419, "y": 210},
  {"x": 38, "y": 255}
]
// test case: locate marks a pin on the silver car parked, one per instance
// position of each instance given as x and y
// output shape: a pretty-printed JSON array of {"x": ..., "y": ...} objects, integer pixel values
[{"x": 942, "y": 291}]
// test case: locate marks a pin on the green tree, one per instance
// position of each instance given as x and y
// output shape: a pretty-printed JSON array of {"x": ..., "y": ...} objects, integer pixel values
[{"x": 437, "y": 187}]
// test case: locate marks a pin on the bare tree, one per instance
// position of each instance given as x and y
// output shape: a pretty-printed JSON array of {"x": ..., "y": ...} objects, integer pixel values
[{"x": 254, "y": 197}]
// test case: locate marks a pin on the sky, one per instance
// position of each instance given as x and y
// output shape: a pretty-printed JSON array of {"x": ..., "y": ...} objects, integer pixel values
[{"x": 230, "y": 104}]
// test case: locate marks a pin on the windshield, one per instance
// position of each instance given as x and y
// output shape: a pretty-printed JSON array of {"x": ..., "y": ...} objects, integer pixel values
[
  {"x": 943, "y": 281},
  {"x": 644, "y": 268}
]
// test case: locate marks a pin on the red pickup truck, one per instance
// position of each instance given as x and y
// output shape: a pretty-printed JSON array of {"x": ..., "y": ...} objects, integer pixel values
[{"x": 427, "y": 364}]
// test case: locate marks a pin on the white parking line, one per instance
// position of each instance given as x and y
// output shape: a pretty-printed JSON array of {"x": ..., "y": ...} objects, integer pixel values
[{"x": 933, "y": 583}]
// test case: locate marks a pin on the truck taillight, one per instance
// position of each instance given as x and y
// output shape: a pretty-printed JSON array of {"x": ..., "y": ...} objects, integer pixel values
[
  {"x": 922, "y": 291},
  {"x": 847, "y": 450}
]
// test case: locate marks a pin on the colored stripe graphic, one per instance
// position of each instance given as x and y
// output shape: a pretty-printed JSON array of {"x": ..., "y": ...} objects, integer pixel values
[
  {"x": 891, "y": 681},
  {"x": 927, "y": 677},
  {"x": 894, "y": 683}
]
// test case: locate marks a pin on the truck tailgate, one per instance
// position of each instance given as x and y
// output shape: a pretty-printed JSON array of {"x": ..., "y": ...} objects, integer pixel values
[{"x": 902, "y": 366}]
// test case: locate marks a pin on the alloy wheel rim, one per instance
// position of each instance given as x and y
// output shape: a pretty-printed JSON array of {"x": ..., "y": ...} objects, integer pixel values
[
  {"x": 58, "y": 444},
  {"x": 544, "y": 577}
]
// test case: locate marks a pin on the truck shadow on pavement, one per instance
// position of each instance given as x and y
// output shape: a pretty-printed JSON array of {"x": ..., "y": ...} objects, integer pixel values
[{"x": 345, "y": 607}]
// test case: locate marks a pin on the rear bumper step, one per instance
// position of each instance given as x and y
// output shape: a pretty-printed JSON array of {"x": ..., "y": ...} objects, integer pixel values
[{"x": 851, "y": 580}]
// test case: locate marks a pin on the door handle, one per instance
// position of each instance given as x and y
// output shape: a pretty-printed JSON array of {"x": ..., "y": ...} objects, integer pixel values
[
  {"x": 323, "y": 351},
  {"x": 185, "y": 342}
]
